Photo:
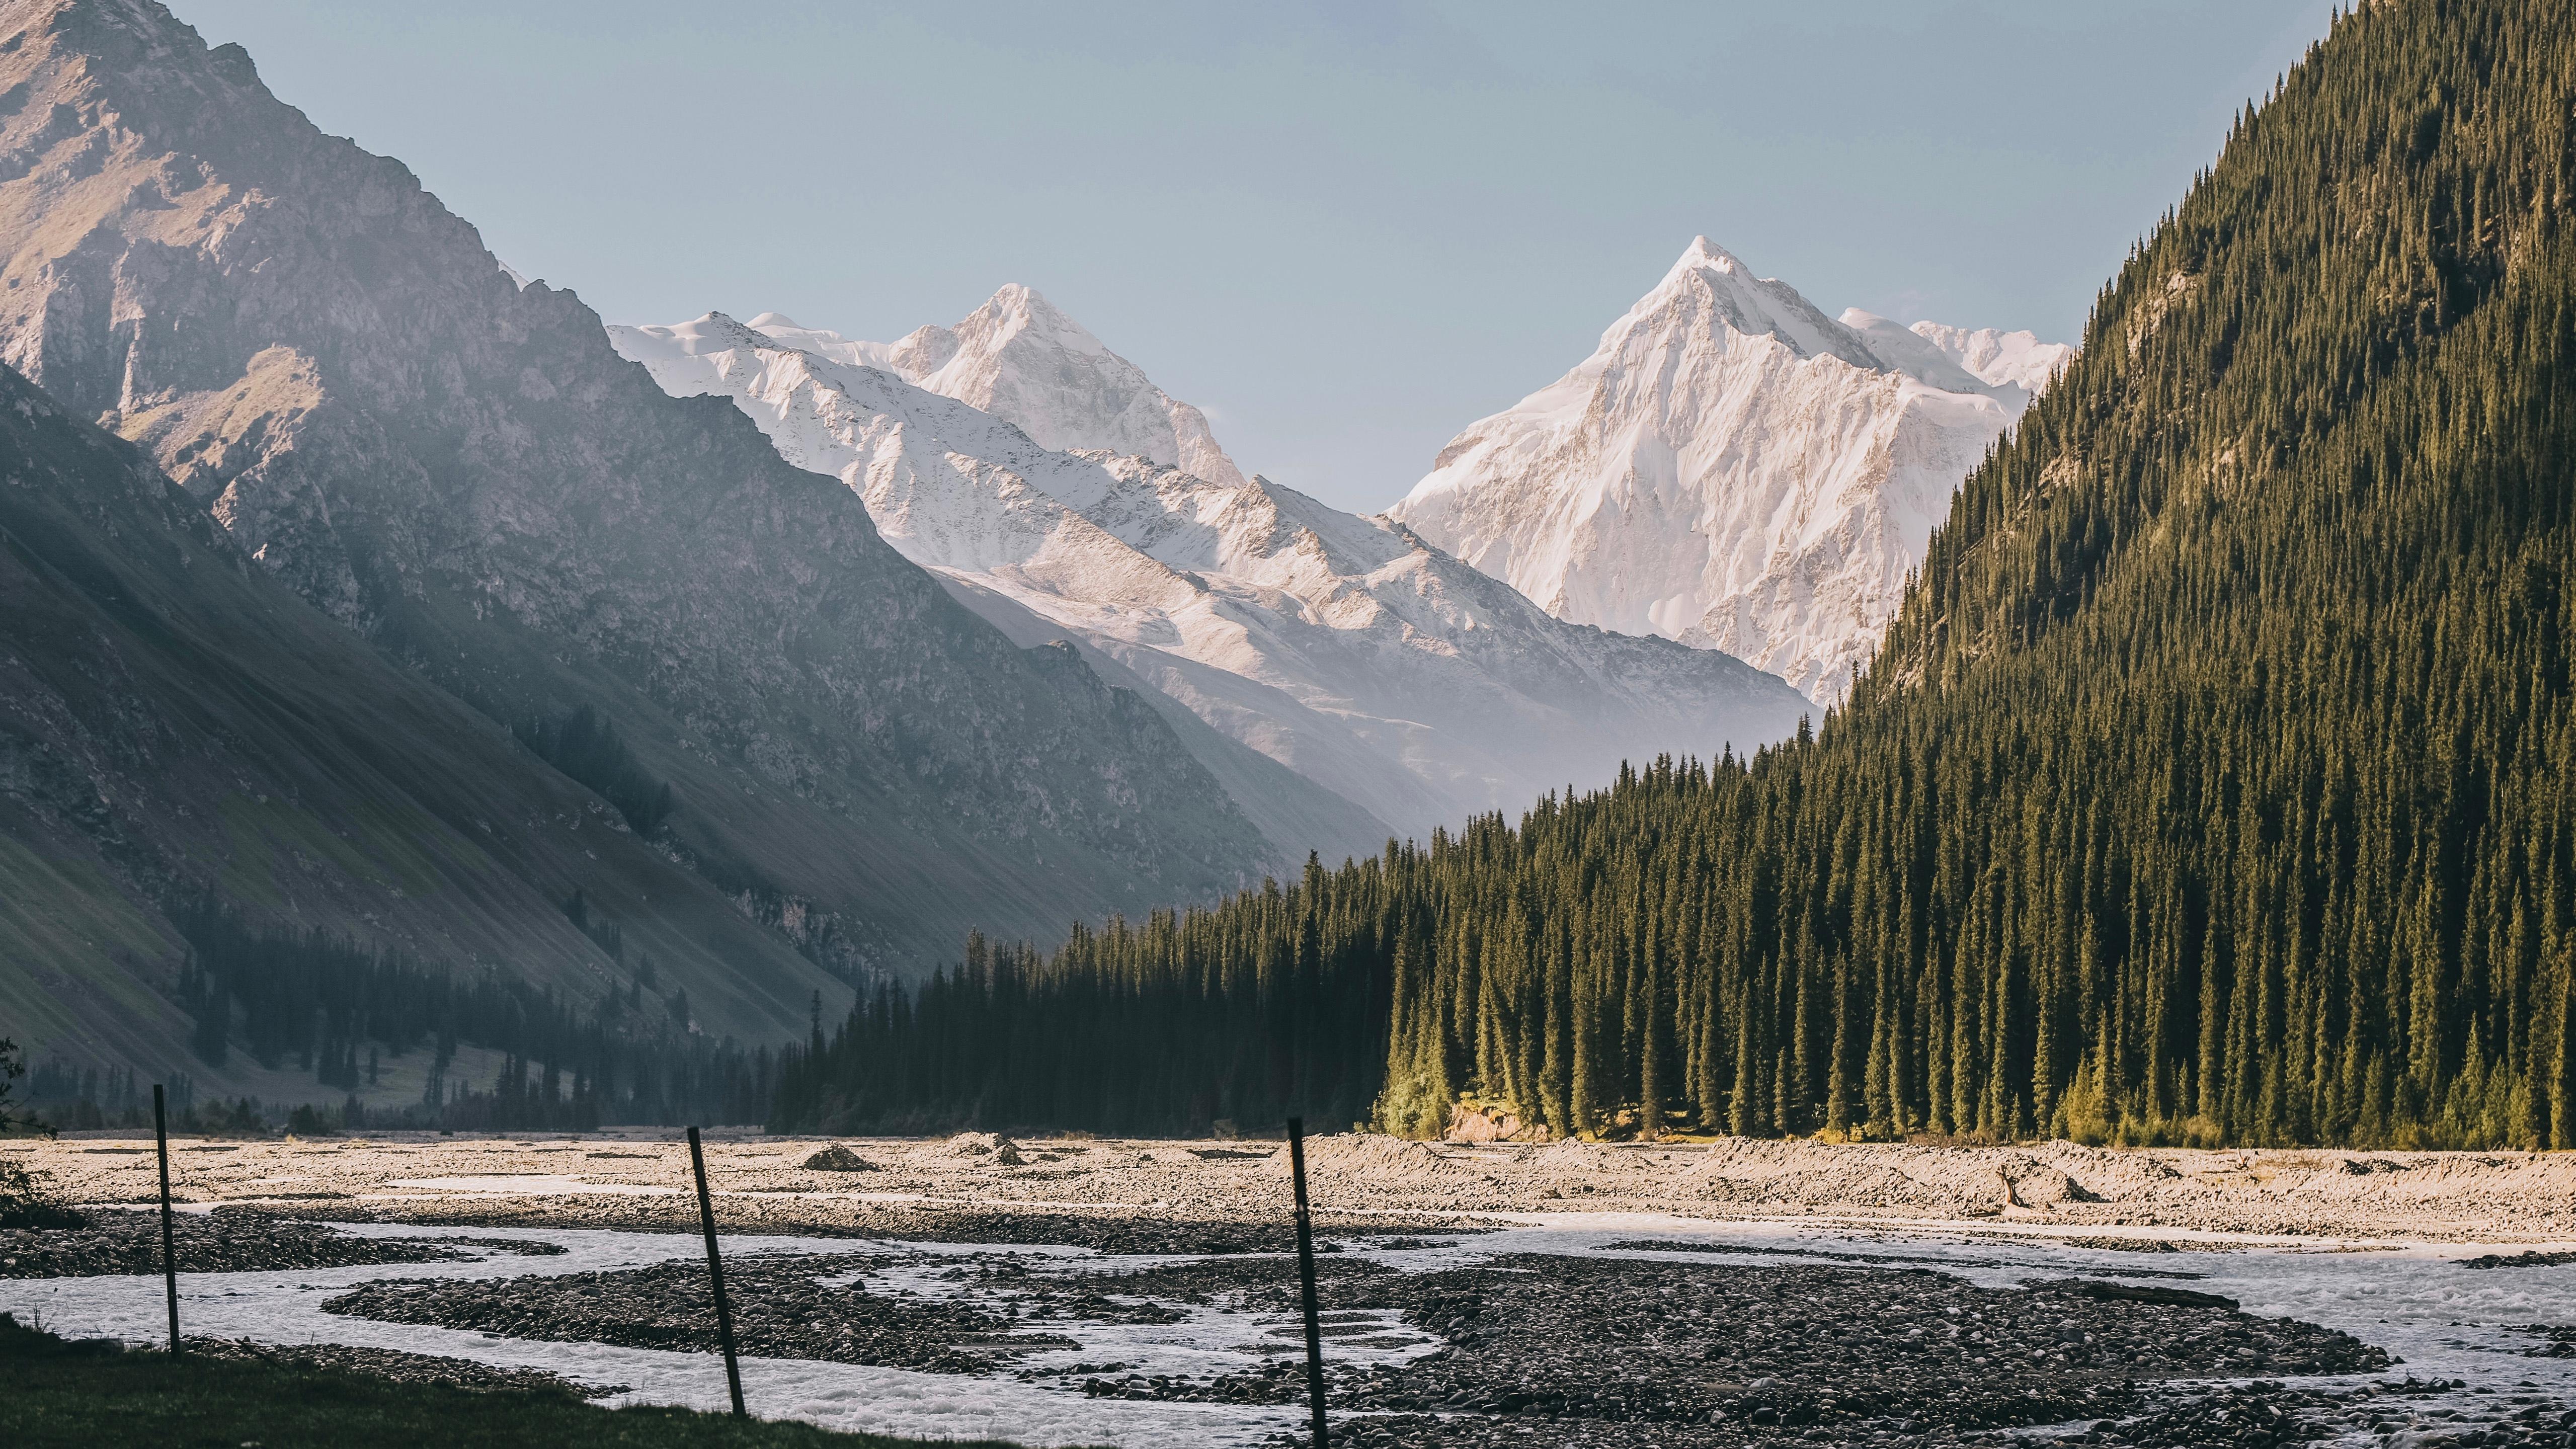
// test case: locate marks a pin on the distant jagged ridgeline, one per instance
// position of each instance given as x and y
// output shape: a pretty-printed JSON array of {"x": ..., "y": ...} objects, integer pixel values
[{"x": 2212, "y": 784}]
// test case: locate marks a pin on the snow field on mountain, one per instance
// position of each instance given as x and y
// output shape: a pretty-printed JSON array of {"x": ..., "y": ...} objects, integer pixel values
[{"x": 1733, "y": 469}]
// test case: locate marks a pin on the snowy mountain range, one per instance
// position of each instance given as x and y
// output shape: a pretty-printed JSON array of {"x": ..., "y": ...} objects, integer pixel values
[
  {"x": 1343, "y": 678},
  {"x": 1733, "y": 469},
  {"x": 1018, "y": 358}
]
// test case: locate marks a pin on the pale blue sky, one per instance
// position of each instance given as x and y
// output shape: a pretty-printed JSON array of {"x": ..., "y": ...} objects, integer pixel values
[{"x": 1346, "y": 230}]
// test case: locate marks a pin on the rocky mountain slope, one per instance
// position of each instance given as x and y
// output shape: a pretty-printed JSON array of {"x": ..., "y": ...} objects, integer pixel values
[
  {"x": 1733, "y": 468},
  {"x": 459, "y": 469},
  {"x": 173, "y": 720},
  {"x": 1376, "y": 667}
]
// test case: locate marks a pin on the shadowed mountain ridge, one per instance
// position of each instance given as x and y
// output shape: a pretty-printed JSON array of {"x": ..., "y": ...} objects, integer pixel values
[{"x": 460, "y": 470}]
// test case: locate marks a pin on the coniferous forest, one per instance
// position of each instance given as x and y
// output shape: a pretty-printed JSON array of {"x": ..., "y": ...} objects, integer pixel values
[
  {"x": 2211, "y": 786},
  {"x": 321, "y": 1004}
]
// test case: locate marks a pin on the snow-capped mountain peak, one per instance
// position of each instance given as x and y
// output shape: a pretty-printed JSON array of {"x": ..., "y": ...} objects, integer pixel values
[
  {"x": 1711, "y": 282},
  {"x": 2015, "y": 359},
  {"x": 1283, "y": 638},
  {"x": 1021, "y": 359},
  {"x": 1017, "y": 314},
  {"x": 1733, "y": 468},
  {"x": 710, "y": 332},
  {"x": 1910, "y": 352},
  {"x": 777, "y": 329}
]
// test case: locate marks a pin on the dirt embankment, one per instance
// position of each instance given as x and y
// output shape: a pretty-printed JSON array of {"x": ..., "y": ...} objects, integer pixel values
[{"x": 1140, "y": 1196}]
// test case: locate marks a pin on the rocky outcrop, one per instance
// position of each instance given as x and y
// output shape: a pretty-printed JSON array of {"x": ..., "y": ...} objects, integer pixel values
[
  {"x": 457, "y": 467},
  {"x": 1490, "y": 1122},
  {"x": 837, "y": 1158}
]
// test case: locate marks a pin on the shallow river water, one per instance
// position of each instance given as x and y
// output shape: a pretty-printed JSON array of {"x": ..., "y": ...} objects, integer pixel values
[{"x": 2416, "y": 1301}]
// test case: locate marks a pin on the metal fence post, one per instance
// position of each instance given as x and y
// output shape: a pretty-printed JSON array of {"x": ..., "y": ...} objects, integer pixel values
[
  {"x": 1306, "y": 1279},
  {"x": 715, "y": 1274},
  {"x": 169, "y": 1252}
]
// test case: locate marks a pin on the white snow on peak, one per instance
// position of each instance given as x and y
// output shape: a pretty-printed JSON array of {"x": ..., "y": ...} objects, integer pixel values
[
  {"x": 1710, "y": 283},
  {"x": 1022, "y": 360},
  {"x": 2016, "y": 359},
  {"x": 1733, "y": 469},
  {"x": 1408, "y": 690},
  {"x": 1907, "y": 351},
  {"x": 781, "y": 330}
]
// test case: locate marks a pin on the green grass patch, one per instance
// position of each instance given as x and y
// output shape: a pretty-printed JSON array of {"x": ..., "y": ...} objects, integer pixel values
[{"x": 77, "y": 1396}]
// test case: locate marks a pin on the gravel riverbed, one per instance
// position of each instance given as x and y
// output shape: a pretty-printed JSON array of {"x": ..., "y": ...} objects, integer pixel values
[
  {"x": 1518, "y": 1348},
  {"x": 1609, "y": 1297},
  {"x": 802, "y": 1308},
  {"x": 409, "y": 1368},
  {"x": 227, "y": 1240}
]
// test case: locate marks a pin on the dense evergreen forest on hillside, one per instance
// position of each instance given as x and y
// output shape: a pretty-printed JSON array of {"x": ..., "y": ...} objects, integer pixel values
[
  {"x": 333, "y": 1008},
  {"x": 2211, "y": 786}
]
